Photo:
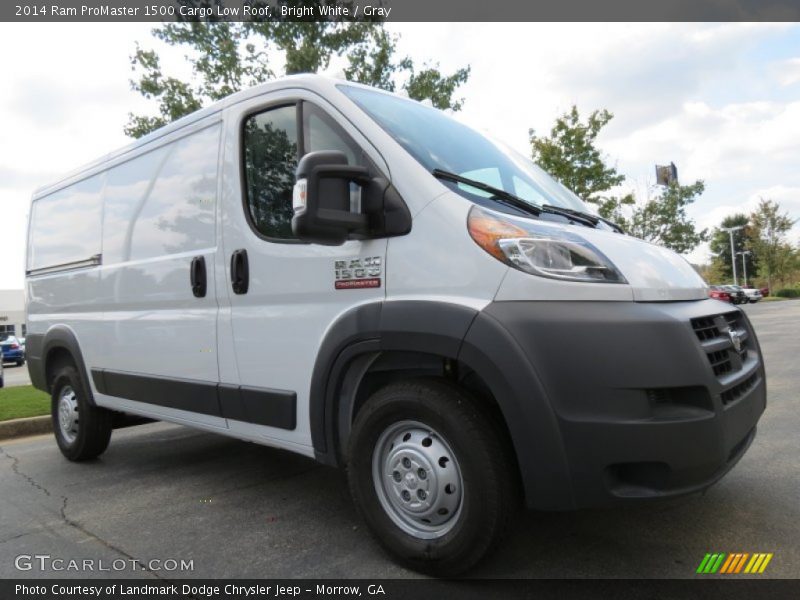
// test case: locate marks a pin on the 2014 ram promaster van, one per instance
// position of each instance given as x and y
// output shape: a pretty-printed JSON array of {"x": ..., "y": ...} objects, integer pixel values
[{"x": 354, "y": 276}]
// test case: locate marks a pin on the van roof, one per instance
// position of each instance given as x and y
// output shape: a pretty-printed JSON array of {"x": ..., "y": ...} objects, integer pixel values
[{"x": 308, "y": 81}]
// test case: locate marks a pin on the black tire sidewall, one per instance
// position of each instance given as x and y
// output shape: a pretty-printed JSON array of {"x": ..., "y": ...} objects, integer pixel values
[
  {"x": 94, "y": 424},
  {"x": 469, "y": 539}
]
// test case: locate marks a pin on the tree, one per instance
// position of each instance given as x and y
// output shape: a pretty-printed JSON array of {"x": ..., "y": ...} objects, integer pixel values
[
  {"x": 227, "y": 57},
  {"x": 662, "y": 220},
  {"x": 570, "y": 154},
  {"x": 720, "y": 246},
  {"x": 770, "y": 227}
]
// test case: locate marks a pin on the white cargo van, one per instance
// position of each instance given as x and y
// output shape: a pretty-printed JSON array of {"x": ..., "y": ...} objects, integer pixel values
[{"x": 356, "y": 277}]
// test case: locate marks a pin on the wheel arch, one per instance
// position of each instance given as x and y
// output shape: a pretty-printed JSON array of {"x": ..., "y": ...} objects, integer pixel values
[
  {"x": 423, "y": 337},
  {"x": 57, "y": 346}
]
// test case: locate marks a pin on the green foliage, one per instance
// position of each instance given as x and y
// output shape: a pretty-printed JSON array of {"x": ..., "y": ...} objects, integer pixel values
[
  {"x": 770, "y": 227},
  {"x": 663, "y": 220},
  {"x": 23, "y": 401},
  {"x": 227, "y": 57},
  {"x": 570, "y": 154},
  {"x": 788, "y": 293},
  {"x": 720, "y": 246}
]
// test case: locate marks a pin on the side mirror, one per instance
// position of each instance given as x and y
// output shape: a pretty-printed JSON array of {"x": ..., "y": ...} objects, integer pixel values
[{"x": 321, "y": 198}]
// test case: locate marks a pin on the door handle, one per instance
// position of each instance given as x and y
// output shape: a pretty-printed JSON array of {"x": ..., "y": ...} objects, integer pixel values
[
  {"x": 240, "y": 272},
  {"x": 197, "y": 276}
]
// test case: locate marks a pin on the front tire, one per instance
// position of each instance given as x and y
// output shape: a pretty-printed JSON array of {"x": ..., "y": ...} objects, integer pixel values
[
  {"x": 431, "y": 474},
  {"x": 82, "y": 431}
]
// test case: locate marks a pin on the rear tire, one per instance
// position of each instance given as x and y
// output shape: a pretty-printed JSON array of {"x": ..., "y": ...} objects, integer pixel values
[
  {"x": 431, "y": 475},
  {"x": 82, "y": 431},
  {"x": 20, "y": 362}
]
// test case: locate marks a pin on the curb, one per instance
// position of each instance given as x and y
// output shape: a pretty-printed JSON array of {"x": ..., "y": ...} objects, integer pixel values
[{"x": 16, "y": 428}]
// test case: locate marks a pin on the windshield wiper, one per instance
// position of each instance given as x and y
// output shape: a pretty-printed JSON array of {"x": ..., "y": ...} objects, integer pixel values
[
  {"x": 497, "y": 193},
  {"x": 535, "y": 209},
  {"x": 595, "y": 219}
]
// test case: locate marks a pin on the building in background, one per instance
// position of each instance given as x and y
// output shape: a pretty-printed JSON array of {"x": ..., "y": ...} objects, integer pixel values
[{"x": 12, "y": 312}]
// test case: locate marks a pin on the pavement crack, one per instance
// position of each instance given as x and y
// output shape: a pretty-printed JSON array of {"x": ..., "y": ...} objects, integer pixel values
[
  {"x": 72, "y": 523},
  {"x": 15, "y": 468}
]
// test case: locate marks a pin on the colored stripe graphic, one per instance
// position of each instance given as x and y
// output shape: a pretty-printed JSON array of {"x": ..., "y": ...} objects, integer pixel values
[{"x": 734, "y": 563}]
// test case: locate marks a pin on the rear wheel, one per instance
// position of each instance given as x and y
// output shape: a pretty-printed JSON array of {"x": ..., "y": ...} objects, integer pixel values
[
  {"x": 20, "y": 362},
  {"x": 82, "y": 431},
  {"x": 430, "y": 473}
]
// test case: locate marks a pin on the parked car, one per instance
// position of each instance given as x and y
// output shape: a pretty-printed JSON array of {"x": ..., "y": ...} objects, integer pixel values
[
  {"x": 717, "y": 291},
  {"x": 2, "y": 382},
  {"x": 737, "y": 294},
  {"x": 361, "y": 279},
  {"x": 753, "y": 294},
  {"x": 764, "y": 292},
  {"x": 12, "y": 349}
]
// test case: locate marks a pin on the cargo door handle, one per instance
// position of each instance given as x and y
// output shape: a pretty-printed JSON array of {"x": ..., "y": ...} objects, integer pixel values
[
  {"x": 197, "y": 276},
  {"x": 240, "y": 272}
]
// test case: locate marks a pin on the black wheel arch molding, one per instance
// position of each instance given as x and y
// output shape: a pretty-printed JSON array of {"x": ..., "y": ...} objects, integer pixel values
[
  {"x": 442, "y": 330},
  {"x": 40, "y": 349}
]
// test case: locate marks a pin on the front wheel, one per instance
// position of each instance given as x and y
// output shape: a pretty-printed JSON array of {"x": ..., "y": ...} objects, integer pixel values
[
  {"x": 82, "y": 431},
  {"x": 430, "y": 473}
]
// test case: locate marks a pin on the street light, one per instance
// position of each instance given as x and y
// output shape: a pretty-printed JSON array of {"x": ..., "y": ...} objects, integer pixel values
[
  {"x": 744, "y": 264},
  {"x": 730, "y": 231}
]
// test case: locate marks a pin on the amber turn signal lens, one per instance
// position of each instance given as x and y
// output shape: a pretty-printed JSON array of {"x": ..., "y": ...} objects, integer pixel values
[{"x": 487, "y": 230}]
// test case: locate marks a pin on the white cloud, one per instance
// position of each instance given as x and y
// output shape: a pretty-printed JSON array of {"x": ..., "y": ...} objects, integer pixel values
[{"x": 720, "y": 101}]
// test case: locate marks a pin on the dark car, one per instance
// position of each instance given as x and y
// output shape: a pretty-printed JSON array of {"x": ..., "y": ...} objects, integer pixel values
[
  {"x": 737, "y": 294},
  {"x": 716, "y": 291},
  {"x": 11, "y": 349}
]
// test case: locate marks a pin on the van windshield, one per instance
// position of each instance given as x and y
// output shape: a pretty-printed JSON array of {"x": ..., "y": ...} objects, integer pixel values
[{"x": 438, "y": 141}]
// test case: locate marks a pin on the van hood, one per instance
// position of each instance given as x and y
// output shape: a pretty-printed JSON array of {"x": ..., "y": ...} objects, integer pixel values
[{"x": 655, "y": 274}]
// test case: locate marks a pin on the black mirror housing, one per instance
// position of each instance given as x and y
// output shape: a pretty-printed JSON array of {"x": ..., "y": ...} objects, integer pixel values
[{"x": 321, "y": 199}]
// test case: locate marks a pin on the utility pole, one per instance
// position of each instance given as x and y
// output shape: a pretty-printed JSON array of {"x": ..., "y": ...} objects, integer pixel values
[
  {"x": 730, "y": 231},
  {"x": 744, "y": 264}
]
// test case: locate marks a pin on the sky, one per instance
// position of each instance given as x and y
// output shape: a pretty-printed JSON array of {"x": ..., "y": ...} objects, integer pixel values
[{"x": 721, "y": 101}]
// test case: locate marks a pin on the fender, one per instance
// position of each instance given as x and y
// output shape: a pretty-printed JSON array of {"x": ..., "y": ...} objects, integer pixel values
[
  {"x": 449, "y": 331},
  {"x": 413, "y": 325},
  {"x": 39, "y": 347}
]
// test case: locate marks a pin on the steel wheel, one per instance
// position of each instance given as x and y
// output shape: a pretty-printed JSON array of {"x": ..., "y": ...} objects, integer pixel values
[
  {"x": 417, "y": 479},
  {"x": 68, "y": 414}
]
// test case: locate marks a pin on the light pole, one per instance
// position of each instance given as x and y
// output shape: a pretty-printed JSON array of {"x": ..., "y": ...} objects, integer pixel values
[
  {"x": 730, "y": 231},
  {"x": 744, "y": 264}
]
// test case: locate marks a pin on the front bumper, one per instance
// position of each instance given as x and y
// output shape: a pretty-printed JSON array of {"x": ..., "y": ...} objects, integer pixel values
[{"x": 650, "y": 400}]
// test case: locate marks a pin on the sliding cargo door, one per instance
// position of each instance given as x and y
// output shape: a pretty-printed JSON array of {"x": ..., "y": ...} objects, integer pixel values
[{"x": 157, "y": 282}]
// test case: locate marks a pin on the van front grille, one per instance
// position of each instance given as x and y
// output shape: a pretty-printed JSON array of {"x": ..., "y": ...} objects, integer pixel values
[{"x": 718, "y": 336}]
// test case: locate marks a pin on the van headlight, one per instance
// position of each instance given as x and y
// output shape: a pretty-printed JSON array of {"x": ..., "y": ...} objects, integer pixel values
[{"x": 540, "y": 250}]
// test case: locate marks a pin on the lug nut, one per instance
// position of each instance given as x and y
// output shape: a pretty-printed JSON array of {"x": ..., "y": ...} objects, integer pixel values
[
  {"x": 421, "y": 494},
  {"x": 422, "y": 473},
  {"x": 406, "y": 463},
  {"x": 406, "y": 496},
  {"x": 396, "y": 476}
]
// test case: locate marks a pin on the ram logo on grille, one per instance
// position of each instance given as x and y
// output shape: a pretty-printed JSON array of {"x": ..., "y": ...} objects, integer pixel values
[{"x": 736, "y": 339}]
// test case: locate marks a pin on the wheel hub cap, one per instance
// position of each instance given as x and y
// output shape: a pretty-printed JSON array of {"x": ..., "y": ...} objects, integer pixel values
[
  {"x": 417, "y": 479},
  {"x": 68, "y": 414}
]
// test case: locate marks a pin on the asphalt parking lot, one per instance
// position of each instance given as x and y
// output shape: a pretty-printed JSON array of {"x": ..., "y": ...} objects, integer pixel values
[{"x": 241, "y": 510}]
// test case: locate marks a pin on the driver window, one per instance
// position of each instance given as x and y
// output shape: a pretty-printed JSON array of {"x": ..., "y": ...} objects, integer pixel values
[{"x": 320, "y": 132}]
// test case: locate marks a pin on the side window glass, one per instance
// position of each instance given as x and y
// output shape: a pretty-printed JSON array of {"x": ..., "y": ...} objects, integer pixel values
[
  {"x": 320, "y": 132},
  {"x": 270, "y": 160}
]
